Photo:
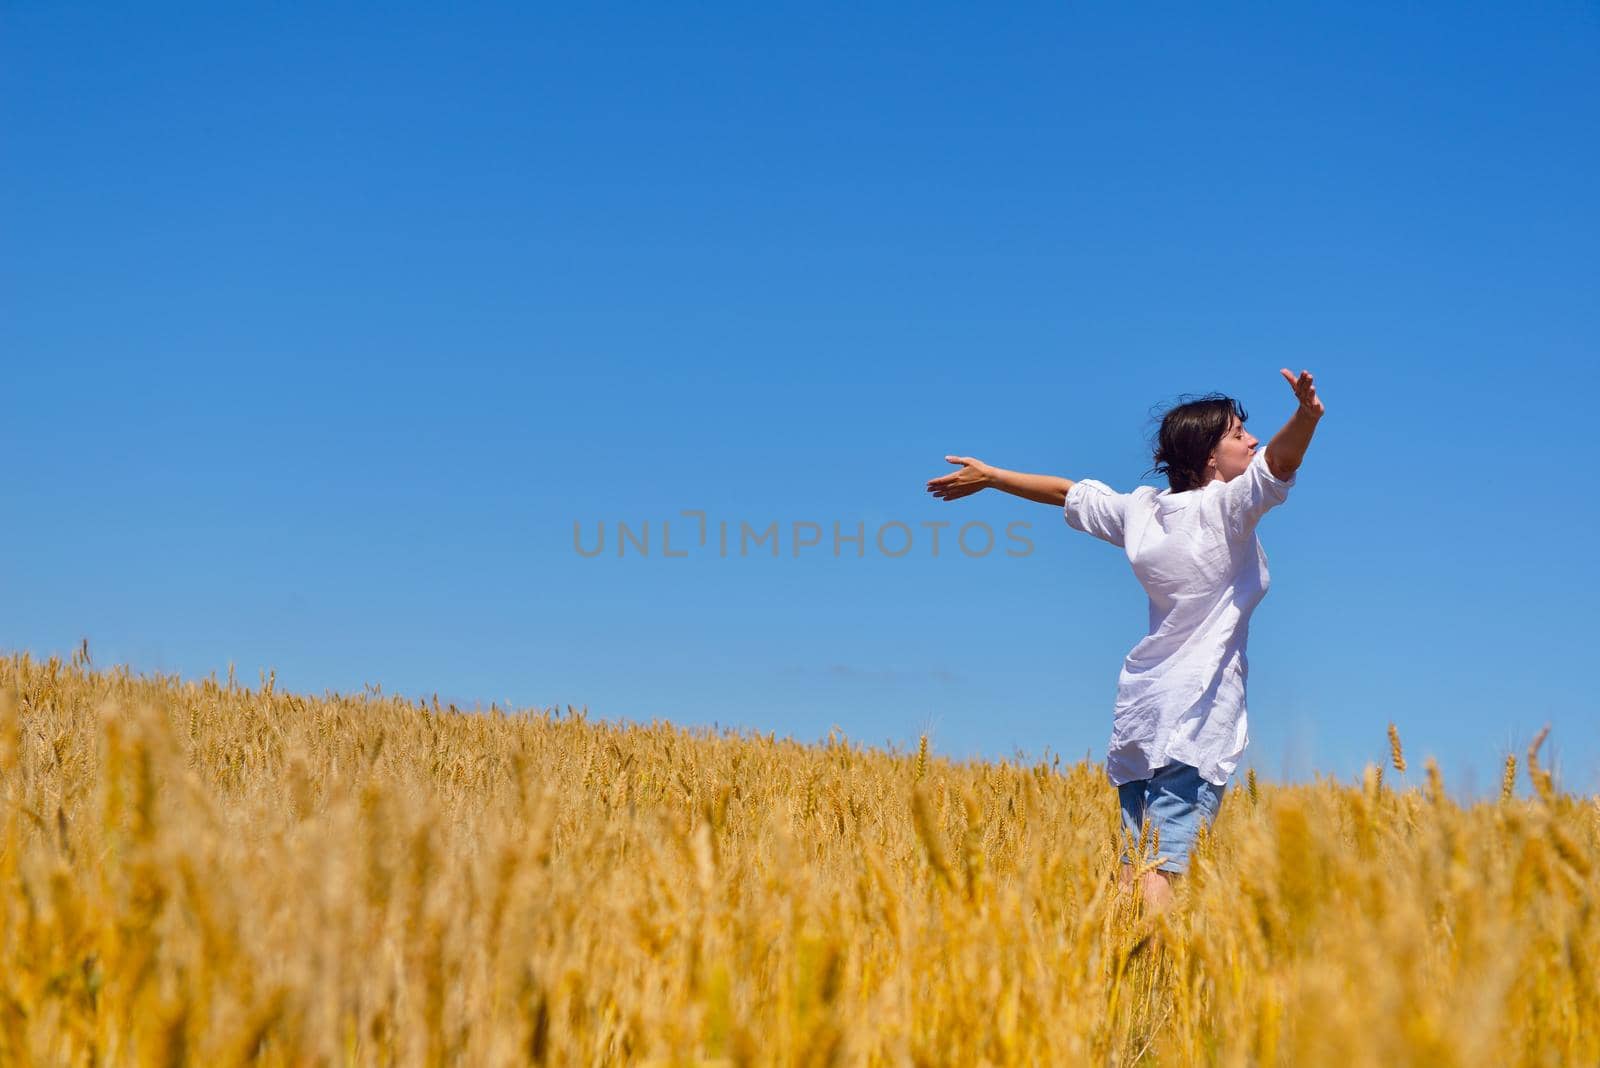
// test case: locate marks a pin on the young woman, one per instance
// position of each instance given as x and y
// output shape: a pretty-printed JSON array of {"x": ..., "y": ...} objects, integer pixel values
[{"x": 1179, "y": 727}]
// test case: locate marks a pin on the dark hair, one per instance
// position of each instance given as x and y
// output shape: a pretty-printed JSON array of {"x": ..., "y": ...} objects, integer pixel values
[{"x": 1190, "y": 430}]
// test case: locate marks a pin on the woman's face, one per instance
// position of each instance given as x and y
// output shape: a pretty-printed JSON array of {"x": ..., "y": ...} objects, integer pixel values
[{"x": 1232, "y": 454}]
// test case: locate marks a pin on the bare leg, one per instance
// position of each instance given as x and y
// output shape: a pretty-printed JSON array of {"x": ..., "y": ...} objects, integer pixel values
[{"x": 1157, "y": 886}]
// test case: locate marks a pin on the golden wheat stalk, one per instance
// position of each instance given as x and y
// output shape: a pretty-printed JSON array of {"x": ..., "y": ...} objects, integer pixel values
[
  {"x": 1396, "y": 756},
  {"x": 1543, "y": 782}
]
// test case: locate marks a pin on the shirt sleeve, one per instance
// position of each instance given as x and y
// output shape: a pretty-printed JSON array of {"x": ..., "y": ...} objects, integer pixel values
[
  {"x": 1249, "y": 496},
  {"x": 1095, "y": 508}
]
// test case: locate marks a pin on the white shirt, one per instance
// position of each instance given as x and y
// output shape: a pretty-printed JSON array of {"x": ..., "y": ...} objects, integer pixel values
[{"x": 1181, "y": 694}]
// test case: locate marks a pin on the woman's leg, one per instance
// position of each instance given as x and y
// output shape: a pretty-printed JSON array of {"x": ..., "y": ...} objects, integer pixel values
[
  {"x": 1178, "y": 801},
  {"x": 1131, "y": 798},
  {"x": 1157, "y": 886}
]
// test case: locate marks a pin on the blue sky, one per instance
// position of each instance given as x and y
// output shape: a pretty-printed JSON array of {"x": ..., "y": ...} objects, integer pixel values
[{"x": 323, "y": 325}]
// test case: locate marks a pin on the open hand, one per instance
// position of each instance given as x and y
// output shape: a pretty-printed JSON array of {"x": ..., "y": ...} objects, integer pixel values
[
  {"x": 1305, "y": 391},
  {"x": 973, "y": 476}
]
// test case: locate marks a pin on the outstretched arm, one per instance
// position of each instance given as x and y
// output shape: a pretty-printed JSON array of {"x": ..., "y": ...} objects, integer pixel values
[
  {"x": 1287, "y": 449},
  {"x": 976, "y": 475}
]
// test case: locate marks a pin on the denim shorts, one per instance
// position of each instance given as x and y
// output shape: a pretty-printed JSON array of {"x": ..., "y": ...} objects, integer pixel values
[{"x": 1177, "y": 801}]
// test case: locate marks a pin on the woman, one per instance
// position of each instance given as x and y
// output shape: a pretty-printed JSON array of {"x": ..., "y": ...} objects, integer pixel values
[{"x": 1179, "y": 727}]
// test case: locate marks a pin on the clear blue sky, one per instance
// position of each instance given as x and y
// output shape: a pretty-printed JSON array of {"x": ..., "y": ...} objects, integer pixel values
[{"x": 323, "y": 324}]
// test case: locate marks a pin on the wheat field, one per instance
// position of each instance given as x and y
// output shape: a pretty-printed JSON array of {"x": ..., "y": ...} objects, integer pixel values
[{"x": 200, "y": 872}]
